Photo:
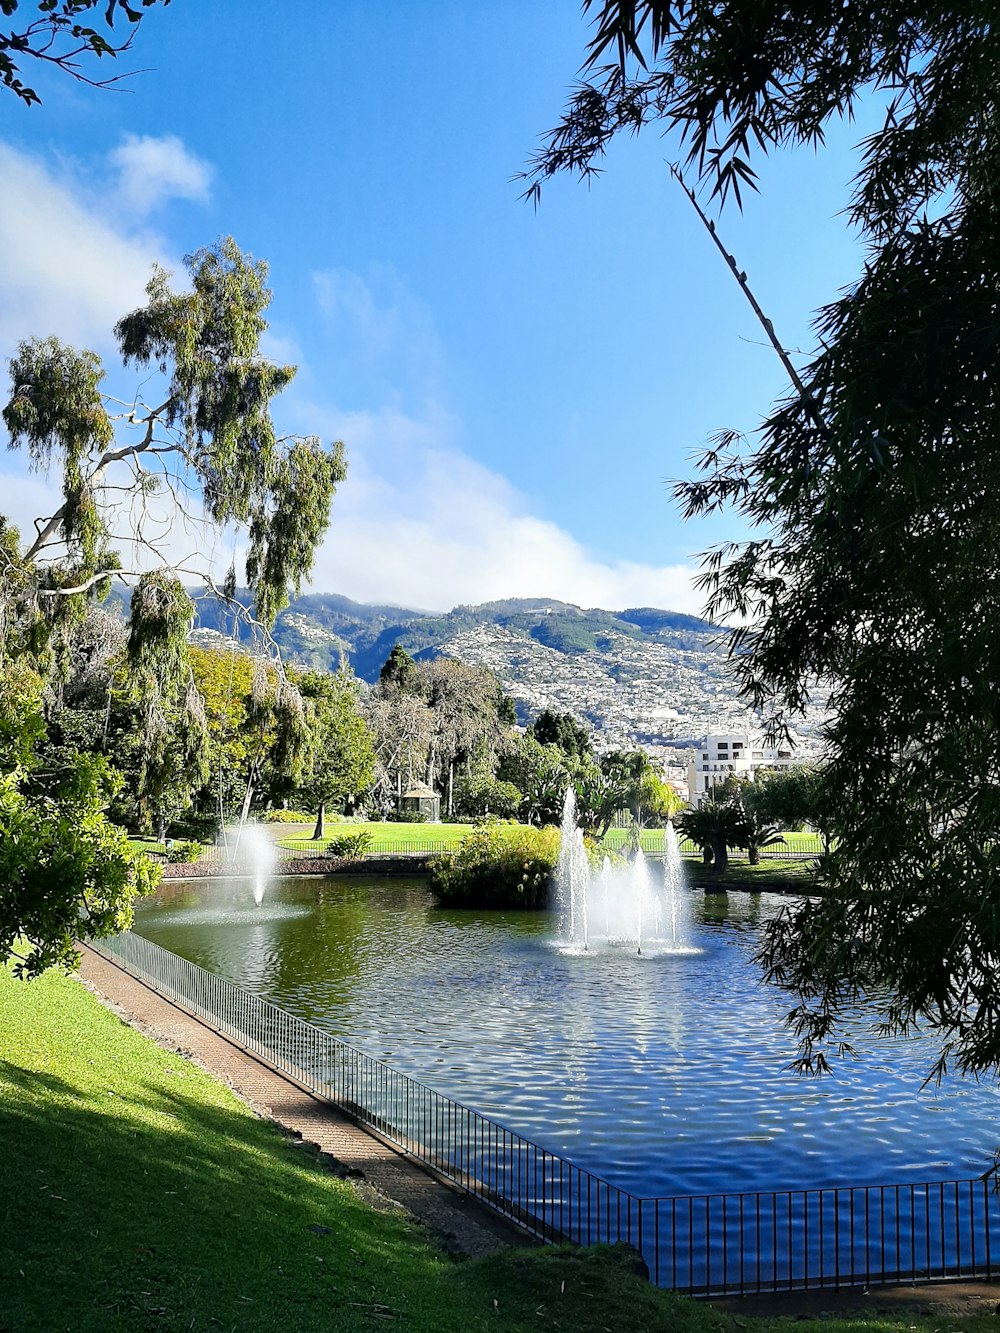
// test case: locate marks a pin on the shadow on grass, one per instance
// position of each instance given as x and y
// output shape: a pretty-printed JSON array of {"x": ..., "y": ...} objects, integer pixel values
[{"x": 147, "y": 1207}]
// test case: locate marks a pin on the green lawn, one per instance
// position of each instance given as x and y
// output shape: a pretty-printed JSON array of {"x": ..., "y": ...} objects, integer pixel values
[
  {"x": 779, "y": 876},
  {"x": 652, "y": 841},
  {"x": 387, "y": 836},
  {"x": 141, "y": 1194}
]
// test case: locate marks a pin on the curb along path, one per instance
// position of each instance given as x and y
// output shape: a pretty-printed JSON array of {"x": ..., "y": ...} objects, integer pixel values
[{"x": 460, "y": 1223}]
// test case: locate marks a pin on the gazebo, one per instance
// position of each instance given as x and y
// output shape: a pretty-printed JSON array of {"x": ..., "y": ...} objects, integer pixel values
[{"x": 421, "y": 800}]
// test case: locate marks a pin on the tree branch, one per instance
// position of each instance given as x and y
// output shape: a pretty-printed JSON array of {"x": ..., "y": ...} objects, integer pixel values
[{"x": 741, "y": 278}]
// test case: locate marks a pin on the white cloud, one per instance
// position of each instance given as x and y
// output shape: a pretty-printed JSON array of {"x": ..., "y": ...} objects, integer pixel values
[
  {"x": 417, "y": 522},
  {"x": 444, "y": 529},
  {"x": 153, "y": 170},
  {"x": 63, "y": 269}
]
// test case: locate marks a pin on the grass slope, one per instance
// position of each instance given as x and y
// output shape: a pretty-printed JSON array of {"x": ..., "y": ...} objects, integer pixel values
[{"x": 140, "y": 1194}]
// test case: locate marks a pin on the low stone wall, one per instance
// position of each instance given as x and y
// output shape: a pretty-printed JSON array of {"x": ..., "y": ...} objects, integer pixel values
[{"x": 302, "y": 865}]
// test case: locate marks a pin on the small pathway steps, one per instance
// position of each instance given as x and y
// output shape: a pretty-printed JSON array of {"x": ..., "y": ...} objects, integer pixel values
[{"x": 383, "y": 1176}]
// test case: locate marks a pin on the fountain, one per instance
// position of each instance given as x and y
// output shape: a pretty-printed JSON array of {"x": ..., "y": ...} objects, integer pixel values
[
  {"x": 251, "y": 845},
  {"x": 619, "y": 905}
]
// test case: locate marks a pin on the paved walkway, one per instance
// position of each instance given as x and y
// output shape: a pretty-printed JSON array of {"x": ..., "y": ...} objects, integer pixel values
[{"x": 384, "y": 1177}]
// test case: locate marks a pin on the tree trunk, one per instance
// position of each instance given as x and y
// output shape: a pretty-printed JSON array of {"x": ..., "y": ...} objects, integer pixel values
[
  {"x": 451, "y": 784},
  {"x": 721, "y": 854},
  {"x": 706, "y": 854},
  {"x": 753, "y": 856},
  {"x": 320, "y": 830}
]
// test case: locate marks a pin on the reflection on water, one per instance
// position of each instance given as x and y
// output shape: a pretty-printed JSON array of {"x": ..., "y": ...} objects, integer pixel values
[{"x": 664, "y": 1074}]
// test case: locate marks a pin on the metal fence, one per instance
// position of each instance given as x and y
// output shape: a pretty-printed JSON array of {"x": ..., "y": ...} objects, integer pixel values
[
  {"x": 802, "y": 849},
  {"x": 701, "y": 1245}
]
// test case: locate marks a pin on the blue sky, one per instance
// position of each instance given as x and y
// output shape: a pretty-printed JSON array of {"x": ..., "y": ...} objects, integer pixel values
[{"x": 514, "y": 388}]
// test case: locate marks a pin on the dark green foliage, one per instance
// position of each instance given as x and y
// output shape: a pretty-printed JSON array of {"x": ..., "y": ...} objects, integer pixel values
[
  {"x": 479, "y": 796},
  {"x": 211, "y": 439},
  {"x": 539, "y": 772},
  {"x": 207, "y": 342},
  {"x": 714, "y": 827},
  {"x": 341, "y": 763},
  {"x": 563, "y": 731},
  {"x": 399, "y": 671},
  {"x": 185, "y": 851},
  {"x": 66, "y": 871},
  {"x": 353, "y": 846},
  {"x": 872, "y": 486},
  {"x": 498, "y": 866},
  {"x": 59, "y": 32}
]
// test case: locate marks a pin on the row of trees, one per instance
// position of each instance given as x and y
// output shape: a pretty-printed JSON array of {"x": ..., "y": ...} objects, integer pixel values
[
  {"x": 246, "y": 737},
  {"x": 751, "y": 815}
]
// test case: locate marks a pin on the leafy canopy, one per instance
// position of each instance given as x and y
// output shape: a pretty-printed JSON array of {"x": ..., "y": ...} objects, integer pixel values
[
  {"x": 875, "y": 560},
  {"x": 204, "y": 457}
]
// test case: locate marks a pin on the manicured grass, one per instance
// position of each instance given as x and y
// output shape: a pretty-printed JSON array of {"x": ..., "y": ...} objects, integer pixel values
[
  {"x": 652, "y": 841},
  {"x": 140, "y": 1193},
  {"x": 774, "y": 876},
  {"x": 385, "y": 837}
]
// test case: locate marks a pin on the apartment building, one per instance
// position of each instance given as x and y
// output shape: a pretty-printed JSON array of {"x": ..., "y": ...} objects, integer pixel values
[{"x": 742, "y": 753}]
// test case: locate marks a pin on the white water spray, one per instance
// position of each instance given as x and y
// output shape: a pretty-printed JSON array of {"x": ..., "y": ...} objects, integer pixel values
[
  {"x": 252, "y": 846},
  {"x": 619, "y": 905}
]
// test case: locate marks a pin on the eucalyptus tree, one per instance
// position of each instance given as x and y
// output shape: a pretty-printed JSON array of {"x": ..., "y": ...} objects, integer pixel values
[
  {"x": 200, "y": 459},
  {"x": 467, "y": 726},
  {"x": 874, "y": 555}
]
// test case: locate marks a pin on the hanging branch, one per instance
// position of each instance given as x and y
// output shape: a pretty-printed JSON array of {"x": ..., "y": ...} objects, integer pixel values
[{"x": 804, "y": 393}]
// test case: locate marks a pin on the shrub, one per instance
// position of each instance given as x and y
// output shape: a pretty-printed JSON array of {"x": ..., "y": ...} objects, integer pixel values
[
  {"x": 478, "y": 797},
  {"x": 289, "y": 817},
  {"x": 184, "y": 852},
  {"x": 408, "y": 817},
  {"x": 351, "y": 845},
  {"x": 497, "y": 866}
]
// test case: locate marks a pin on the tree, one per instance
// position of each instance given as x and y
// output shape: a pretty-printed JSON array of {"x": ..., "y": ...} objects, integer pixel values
[
  {"x": 207, "y": 454},
  {"x": 401, "y": 725},
  {"x": 467, "y": 730},
  {"x": 399, "y": 672},
  {"x": 874, "y": 564},
  {"x": 66, "y": 870},
  {"x": 791, "y": 797},
  {"x": 59, "y": 34},
  {"x": 342, "y": 759},
  {"x": 539, "y": 773},
  {"x": 562, "y": 730},
  {"x": 648, "y": 798},
  {"x": 714, "y": 827}
]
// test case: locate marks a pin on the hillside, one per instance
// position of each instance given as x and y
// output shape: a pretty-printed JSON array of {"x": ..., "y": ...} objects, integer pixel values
[{"x": 638, "y": 675}]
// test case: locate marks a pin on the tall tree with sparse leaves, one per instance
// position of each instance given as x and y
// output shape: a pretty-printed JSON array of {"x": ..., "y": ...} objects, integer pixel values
[{"x": 204, "y": 452}]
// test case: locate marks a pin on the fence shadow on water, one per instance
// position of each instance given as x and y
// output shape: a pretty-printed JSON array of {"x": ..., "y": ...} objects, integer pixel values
[{"x": 701, "y": 1245}]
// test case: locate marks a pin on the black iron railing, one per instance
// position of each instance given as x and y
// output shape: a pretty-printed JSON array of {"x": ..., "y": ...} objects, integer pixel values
[{"x": 701, "y": 1244}]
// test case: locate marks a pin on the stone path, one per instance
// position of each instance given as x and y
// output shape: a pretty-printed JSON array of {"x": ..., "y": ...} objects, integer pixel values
[{"x": 384, "y": 1177}]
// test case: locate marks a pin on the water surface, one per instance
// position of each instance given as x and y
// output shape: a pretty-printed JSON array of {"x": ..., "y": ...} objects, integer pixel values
[{"x": 663, "y": 1073}]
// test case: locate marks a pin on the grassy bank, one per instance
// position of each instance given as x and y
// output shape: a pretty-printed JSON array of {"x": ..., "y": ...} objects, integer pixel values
[{"x": 141, "y": 1194}]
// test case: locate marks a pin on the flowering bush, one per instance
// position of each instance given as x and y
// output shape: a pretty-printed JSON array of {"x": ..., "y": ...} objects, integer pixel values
[{"x": 498, "y": 866}]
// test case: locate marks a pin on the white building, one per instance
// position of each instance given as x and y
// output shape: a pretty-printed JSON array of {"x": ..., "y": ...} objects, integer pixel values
[{"x": 743, "y": 753}]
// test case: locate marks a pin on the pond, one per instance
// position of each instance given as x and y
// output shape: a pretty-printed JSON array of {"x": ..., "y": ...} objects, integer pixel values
[{"x": 664, "y": 1074}]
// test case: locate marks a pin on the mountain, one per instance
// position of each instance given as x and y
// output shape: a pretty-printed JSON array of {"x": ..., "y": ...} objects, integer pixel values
[{"x": 641, "y": 675}]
